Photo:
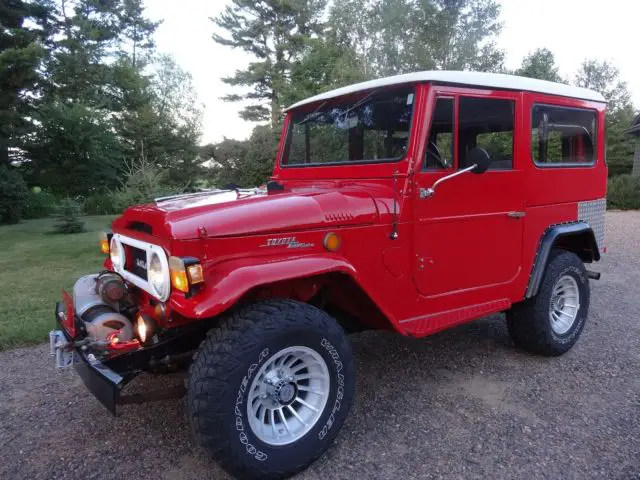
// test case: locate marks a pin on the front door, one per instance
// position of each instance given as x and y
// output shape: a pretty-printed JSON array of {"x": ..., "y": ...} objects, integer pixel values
[{"x": 469, "y": 233}]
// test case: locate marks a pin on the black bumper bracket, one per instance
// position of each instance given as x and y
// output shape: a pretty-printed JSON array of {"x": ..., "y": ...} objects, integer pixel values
[{"x": 103, "y": 382}]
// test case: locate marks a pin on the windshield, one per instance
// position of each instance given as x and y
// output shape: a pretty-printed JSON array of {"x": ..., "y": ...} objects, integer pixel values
[{"x": 374, "y": 128}]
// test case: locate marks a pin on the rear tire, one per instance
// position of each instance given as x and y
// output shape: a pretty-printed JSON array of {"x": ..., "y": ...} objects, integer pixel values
[
  {"x": 270, "y": 388},
  {"x": 550, "y": 323}
]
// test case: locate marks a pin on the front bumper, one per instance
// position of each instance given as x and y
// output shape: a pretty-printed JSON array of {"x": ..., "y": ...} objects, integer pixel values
[
  {"x": 102, "y": 381},
  {"x": 106, "y": 377}
]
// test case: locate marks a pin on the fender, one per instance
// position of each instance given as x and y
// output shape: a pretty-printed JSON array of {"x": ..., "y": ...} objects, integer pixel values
[
  {"x": 228, "y": 281},
  {"x": 549, "y": 239}
]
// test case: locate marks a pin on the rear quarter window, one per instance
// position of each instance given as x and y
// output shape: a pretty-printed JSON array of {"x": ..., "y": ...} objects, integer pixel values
[{"x": 563, "y": 136}]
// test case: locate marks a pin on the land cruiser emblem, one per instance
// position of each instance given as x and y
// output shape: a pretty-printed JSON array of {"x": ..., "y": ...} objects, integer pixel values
[{"x": 289, "y": 242}]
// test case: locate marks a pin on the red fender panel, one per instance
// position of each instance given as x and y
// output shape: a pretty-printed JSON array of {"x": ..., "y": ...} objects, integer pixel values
[{"x": 228, "y": 281}]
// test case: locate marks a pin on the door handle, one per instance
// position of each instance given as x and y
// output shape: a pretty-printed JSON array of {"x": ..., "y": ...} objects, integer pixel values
[
  {"x": 515, "y": 214},
  {"x": 425, "y": 193}
]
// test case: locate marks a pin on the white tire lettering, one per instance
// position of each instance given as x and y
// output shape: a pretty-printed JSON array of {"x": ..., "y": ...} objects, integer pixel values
[
  {"x": 239, "y": 422},
  {"x": 340, "y": 393}
]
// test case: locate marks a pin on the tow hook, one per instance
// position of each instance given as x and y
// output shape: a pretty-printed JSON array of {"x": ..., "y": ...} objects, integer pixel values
[
  {"x": 58, "y": 342},
  {"x": 87, "y": 343},
  {"x": 593, "y": 275}
]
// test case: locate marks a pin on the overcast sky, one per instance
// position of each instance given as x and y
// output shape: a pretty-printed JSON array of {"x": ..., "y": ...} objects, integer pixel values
[{"x": 572, "y": 29}]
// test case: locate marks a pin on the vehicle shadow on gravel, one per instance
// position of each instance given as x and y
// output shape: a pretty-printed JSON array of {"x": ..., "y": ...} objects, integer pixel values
[
  {"x": 462, "y": 403},
  {"x": 391, "y": 370}
]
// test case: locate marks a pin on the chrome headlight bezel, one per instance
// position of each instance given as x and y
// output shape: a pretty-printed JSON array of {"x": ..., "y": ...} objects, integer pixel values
[
  {"x": 116, "y": 254},
  {"x": 158, "y": 274},
  {"x": 160, "y": 291}
]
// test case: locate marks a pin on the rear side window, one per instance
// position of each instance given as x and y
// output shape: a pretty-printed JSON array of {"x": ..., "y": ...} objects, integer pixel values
[
  {"x": 563, "y": 136},
  {"x": 486, "y": 123}
]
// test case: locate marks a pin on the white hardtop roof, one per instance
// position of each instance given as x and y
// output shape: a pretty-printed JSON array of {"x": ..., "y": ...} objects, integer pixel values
[{"x": 476, "y": 79}]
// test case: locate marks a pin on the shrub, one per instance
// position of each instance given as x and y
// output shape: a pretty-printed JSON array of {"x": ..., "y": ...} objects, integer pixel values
[
  {"x": 623, "y": 192},
  {"x": 68, "y": 217},
  {"x": 143, "y": 182},
  {"x": 13, "y": 195},
  {"x": 100, "y": 203},
  {"x": 39, "y": 204}
]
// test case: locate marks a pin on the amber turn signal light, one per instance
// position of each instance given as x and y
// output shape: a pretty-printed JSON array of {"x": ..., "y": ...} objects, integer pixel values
[
  {"x": 184, "y": 274},
  {"x": 331, "y": 242},
  {"x": 194, "y": 272},
  {"x": 104, "y": 243}
]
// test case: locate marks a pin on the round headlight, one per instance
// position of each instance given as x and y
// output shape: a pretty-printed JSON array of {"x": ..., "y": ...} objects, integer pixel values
[
  {"x": 115, "y": 254},
  {"x": 156, "y": 274}
]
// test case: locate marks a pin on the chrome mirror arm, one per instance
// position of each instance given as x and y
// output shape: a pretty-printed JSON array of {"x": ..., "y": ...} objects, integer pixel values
[{"x": 429, "y": 192}]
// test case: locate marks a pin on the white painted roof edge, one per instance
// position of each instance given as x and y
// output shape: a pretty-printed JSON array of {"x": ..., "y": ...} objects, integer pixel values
[{"x": 476, "y": 79}]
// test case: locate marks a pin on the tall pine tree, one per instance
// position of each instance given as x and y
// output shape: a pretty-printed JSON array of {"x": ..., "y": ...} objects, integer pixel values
[
  {"x": 274, "y": 32},
  {"x": 23, "y": 28}
]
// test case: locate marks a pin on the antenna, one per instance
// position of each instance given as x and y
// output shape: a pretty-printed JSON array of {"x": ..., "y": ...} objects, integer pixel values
[{"x": 394, "y": 230}]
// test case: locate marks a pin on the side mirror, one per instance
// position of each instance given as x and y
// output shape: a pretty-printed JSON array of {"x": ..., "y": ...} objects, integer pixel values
[{"x": 480, "y": 158}]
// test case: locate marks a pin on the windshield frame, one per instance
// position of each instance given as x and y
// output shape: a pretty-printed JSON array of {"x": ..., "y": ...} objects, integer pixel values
[{"x": 349, "y": 100}]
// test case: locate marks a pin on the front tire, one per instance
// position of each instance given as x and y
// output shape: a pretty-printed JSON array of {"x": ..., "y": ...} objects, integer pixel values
[
  {"x": 550, "y": 323},
  {"x": 270, "y": 388}
]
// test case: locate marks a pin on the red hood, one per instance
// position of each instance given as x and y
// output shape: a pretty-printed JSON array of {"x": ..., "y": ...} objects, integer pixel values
[{"x": 224, "y": 214}]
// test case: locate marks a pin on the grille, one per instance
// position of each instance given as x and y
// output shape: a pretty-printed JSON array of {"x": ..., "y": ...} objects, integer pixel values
[{"x": 136, "y": 261}]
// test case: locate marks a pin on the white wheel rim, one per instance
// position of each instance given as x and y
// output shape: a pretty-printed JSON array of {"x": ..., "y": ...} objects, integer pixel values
[
  {"x": 288, "y": 395},
  {"x": 564, "y": 304}
]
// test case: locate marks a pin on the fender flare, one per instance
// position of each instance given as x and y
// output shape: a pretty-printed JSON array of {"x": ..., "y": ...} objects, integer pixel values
[
  {"x": 547, "y": 242},
  {"x": 231, "y": 279}
]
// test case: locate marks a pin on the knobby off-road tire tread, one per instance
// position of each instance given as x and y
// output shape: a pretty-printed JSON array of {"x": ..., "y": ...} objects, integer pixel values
[
  {"x": 528, "y": 322},
  {"x": 220, "y": 362}
]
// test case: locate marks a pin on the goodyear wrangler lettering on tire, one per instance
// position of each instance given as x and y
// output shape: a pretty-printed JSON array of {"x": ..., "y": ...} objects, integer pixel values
[
  {"x": 340, "y": 393},
  {"x": 283, "y": 357},
  {"x": 244, "y": 440}
]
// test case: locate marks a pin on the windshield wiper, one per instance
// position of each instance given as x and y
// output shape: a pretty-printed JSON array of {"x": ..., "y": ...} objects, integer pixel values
[
  {"x": 308, "y": 117},
  {"x": 360, "y": 102}
]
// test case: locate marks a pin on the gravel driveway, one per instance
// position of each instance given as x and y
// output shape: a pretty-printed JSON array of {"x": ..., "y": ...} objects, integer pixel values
[{"x": 460, "y": 404}]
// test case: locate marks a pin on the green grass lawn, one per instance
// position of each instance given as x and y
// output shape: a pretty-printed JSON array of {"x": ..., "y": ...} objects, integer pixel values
[{"x": 35, "y": 264}]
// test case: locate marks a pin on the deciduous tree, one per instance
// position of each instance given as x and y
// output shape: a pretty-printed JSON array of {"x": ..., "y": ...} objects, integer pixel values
[
  {"x": 457, "y": 35},
  {"x": 399, "y": 36},
  {"x": 244, "y": 163},
  {"x": 540, "y": 64},
  {"x": 603, "y": 76}
]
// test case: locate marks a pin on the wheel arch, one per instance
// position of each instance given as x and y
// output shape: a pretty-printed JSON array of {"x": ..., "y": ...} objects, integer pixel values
[
  {"x": 327, "y": 281},
  {"x": 577, "y": 237}
]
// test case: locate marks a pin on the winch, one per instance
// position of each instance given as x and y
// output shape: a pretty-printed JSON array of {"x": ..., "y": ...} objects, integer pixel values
[{"x": 97, "y": 301}]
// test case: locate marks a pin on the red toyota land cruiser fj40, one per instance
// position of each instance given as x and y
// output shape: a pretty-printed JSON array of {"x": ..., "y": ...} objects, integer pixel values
[{"x": 411, "y": 203}]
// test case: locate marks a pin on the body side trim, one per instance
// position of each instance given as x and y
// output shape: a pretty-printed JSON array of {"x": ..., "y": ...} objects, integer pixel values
[{"x": 434, "y": 322}]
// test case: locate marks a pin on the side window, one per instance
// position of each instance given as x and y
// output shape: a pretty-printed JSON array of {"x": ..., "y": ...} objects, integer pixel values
[
  {"x": 439, "y": 149},
  {"x": 486, "y": 123},
  {"x": 562, "y": 136}
]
